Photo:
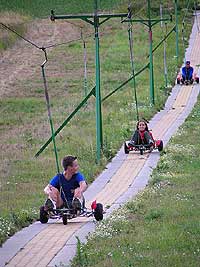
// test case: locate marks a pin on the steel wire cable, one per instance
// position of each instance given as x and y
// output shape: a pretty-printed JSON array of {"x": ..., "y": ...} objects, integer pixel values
[
  {"x": 130, "y": 38},
  {"x": 183, "y": 27},
  {"x": 130, "y": 33},
  {"x": 164, "y": 44},
  {"x": 52, "y": 45},
  {"x": 41, "y": 47},
  {"x": 186, "y": 11},
  {"x": 196, "y": 16}
]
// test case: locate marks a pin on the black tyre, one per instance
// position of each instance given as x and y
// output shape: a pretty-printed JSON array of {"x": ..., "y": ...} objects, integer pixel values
[
  {"x": 178, "y": 81},
  {"x": 197, "y": 80},
  {"x": 126, "y": 150},
  {"x": 160, "y": 147},
  {"x": 44, "y": 217},
  {"x": 98, "y": 212},
  {"x": 64, "y": 219},
  {"x": 141, "y": 151}
]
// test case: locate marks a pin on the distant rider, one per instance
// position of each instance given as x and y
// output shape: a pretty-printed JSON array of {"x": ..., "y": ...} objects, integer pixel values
[
  {"x": 142, "y": 135},
  {"x": 187, "y": 73}
]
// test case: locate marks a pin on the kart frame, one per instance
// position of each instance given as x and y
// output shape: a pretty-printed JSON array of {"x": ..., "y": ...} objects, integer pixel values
[
  {"x": 195, "y": 78},
  {"x": 158, "y": 145},
  {"x": 70, "y": 213},
  {"x": 67, "y": 211}
]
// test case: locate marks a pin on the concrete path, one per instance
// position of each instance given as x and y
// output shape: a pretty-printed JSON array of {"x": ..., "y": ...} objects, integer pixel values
[{"x": 49, "y": 245}]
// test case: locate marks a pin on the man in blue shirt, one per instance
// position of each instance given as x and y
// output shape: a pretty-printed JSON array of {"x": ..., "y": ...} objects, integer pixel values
[
  {"x": 67, "y": 187},
  {"x": 187, "y": 73}
]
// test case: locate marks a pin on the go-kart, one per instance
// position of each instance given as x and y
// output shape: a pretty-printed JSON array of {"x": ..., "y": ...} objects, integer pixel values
[
  {"x": 180, "y": 80},
  {"x": 67, "y": 212},
  {"x": 157, "y": 145}
]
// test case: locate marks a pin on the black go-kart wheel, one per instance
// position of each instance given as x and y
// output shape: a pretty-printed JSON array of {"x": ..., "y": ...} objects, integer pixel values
[
  {"x": 197, "y": 80},
  {"x": 98, "y": 212},
  {"x": 178, "y": 81},
  {"x": 126, "y": 150},
  {"x": 64, "y": 219},
  {"x": 160, "y": 147},
  {"x": 44, "y": 217}
]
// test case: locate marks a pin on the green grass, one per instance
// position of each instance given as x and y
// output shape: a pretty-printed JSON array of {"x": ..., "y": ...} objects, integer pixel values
[
  {"x": 162, "y": 226},
  {"x": 15, "y": 21},
  {"x": 30, "y": 107},
  {"x": 40, "y": 8},
  {"x": 24, "y": 126}
]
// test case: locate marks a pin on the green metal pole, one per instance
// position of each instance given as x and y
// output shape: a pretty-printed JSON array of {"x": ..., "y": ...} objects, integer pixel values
[
  {"x": 176, "y": 20},
  {"x": 99, "y": 137},
  {"x": 151, "y": 57},
  {"x": 83, "y": 102}
]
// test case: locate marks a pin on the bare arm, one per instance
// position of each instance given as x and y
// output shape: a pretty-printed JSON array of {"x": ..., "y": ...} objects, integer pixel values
[
  {"x": 78, "y": 191},
  {"x": 83, "y": 186},
  {"x": 48, "y": 189}
]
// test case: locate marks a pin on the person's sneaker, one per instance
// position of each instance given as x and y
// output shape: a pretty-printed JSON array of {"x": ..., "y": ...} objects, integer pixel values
[
  {"x": 76, "y": 204},
  {"x": 49, "y": 204},
  {"x": 131, "y": 143}
]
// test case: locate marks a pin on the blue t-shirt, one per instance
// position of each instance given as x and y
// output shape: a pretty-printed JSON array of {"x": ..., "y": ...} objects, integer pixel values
[
  {"x": 68, "y": 186},
  {"x": 187, "y": 72}
]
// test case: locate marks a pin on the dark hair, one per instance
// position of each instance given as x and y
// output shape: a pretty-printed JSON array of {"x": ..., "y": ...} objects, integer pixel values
[
  {"x": 68, "y": 161},
  {"x": 146, "y": 126}
]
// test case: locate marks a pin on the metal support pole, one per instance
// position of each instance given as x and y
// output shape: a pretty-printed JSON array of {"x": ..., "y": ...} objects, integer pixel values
[
  {"x": 99, "y": 137},
  {"x": 176, "y": 21},
  {"x": 151, "y": 76}
]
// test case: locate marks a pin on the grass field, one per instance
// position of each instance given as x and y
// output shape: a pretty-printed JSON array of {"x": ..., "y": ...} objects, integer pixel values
[
  {"x": 14, "y": 20},
  {"x": 40, "y": 8},
  {"x": 162, "y": 226},
  {"x": 24, "y": 126}
]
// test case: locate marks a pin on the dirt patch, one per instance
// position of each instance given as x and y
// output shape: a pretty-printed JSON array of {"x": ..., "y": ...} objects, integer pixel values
[{"x": 23, "y": 60}]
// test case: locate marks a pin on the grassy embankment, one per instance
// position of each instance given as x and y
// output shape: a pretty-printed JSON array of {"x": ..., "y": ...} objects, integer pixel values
[
  {"x": 15, "y": 21},
  {"x": 16, "y": 13},
  {"x": 25, "y": 127},
  {"x": 162, "y": 226}
]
